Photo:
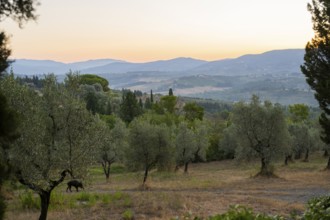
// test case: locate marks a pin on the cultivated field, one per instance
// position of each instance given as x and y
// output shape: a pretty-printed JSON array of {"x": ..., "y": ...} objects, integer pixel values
[{"x": 208, "y": 189}]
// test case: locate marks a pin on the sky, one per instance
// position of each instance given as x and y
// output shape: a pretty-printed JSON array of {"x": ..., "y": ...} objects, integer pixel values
[{"x": 146, "y": 30}]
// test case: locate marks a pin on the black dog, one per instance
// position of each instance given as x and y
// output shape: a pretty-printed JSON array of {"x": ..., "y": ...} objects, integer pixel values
[{"x": 74, "y": 183}]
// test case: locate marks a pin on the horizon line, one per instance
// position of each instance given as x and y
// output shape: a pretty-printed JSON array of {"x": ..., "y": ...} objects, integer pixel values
[{"x": 127, "y": 61}]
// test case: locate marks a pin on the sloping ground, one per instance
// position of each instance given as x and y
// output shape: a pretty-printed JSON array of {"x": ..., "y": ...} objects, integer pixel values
[{"x": 208, "y": 189}]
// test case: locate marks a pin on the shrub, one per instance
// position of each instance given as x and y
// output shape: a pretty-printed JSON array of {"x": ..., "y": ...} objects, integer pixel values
[
  {"x": 128, "y": 215},
  {"x": 243, "y": 213},
  {"x": 318, "y": 208}
]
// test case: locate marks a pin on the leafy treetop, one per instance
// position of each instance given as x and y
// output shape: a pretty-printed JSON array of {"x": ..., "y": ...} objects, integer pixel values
[{"x": 91, "y": 79}]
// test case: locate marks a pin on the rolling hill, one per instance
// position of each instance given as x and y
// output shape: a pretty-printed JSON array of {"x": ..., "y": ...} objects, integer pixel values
[{"x": 273, "y": 75}]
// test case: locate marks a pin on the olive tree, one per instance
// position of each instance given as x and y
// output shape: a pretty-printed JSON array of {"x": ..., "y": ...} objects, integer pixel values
[
  {"x": 261, "y": 127},
  {"x": 186, "y": 146},
  {"x": 201, "y": 136},
  {"x": 56, "y": 137},
  {"x": 111, "y": 144},
  {"x": 20, "y": 11},
  {"x": 300, "y": 138},
  {"x": 149, "y": 145},
  {"x": 228, "y": 143},
  {"x": 304, "y": 139}
]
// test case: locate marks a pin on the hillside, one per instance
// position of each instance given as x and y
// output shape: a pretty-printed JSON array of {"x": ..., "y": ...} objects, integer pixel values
[{"x": 273, "y": 75}]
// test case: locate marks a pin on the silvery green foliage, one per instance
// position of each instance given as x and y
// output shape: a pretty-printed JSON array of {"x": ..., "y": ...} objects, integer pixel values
[
  {"x": 202, "y": 139},
  {"x": 300, "y": 136},
  {"x": 118, "y": 139},
  {"x": 111, "y": 144},
  {"x": 185, "y": 143},
  {"x": 57, "y": 133},
  {"x": 261, "y": 127},
  {"x": 228, "y": 144},
  {"x": 305, "y": 137},
  {"x": 71, "y": 126},
  {"x": 149, "y": 144},
  {"x": 28, "y": 152}
]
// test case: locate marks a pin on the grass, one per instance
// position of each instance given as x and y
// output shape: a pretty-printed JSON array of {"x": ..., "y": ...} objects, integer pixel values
[{"x": 208, "y": 189}]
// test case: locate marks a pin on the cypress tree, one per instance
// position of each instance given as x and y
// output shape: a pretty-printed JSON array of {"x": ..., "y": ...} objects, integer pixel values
[
  {"x": 129, "y": 108},
  {"x": 151, "y": 97},
  {"x": 170, "y": 92},
  {"x": 316, "y": 67}
]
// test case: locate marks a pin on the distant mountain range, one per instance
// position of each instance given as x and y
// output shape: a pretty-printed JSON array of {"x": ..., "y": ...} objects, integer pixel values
[
  {"x": 272, "y": 62},
  {"x": 39, "y": 67},
  {"x": 273, "y": 75}
]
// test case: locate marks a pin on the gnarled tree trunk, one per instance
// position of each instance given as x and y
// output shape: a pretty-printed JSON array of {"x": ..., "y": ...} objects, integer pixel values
[
  {"x": 44, "y": 200},
  {"x": 265, "y": 168},
  {"x": 145, "y": 175},
  {"x": 186, "y": 167},
  {"x": 106, "y": 165},
  {"x": 43, "y": 194},
  {"x": 288, "y": 159}
]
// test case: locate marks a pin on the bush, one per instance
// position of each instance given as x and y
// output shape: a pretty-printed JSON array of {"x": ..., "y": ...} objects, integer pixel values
[
  {"x": 318, "y": 208},
  {"x": 128, "y": 215},
  {"x": 243, "y": 213}
]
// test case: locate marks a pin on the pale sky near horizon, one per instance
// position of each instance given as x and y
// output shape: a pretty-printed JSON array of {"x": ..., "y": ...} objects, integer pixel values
[{"x": 145, "y": 30}]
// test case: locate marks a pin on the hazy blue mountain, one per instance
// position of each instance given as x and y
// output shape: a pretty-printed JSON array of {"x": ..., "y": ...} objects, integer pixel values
[
  {"x": 277, "y": 62},
  {"x": 91, "y": 63},
  {"x": 38, "y": 67},
  {"x": 174, "y": 65},
  {"x": 118, "y": 67}
]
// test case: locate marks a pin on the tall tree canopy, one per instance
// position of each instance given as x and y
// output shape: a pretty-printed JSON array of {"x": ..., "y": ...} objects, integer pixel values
[
  {"x": 91, "y": 79},
  {"x": 111, "y": 144},
  {"x": 57, "y": 136},
  {"x": 298, "y": 112},
  {"x": 186, "y": 146},
  {"x": 129, "y": 108},
  {"x": 193, "y": 111},
  {"x": 20, "y": 11},
  {"x": 150, "y": 145},
  {"x": 261, "y": 127},
  {"x": 316, "y": 67}
]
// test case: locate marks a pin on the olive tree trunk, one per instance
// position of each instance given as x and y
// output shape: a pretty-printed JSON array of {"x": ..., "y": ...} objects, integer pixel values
[
  {"x": 186, "y": 167},
  {"x": 44, "y": 202},
  {"x": 265, "y": 168}
]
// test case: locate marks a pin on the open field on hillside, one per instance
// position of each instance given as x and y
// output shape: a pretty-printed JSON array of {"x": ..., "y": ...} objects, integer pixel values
[{"x": 208, "y": 189}]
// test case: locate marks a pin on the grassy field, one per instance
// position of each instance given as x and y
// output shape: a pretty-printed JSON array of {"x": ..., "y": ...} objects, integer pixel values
[{"x": 208, "y": 189}]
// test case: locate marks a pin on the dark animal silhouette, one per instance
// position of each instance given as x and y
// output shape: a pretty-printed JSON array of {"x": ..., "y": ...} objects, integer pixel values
[{"x": 74, "y": 183}]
